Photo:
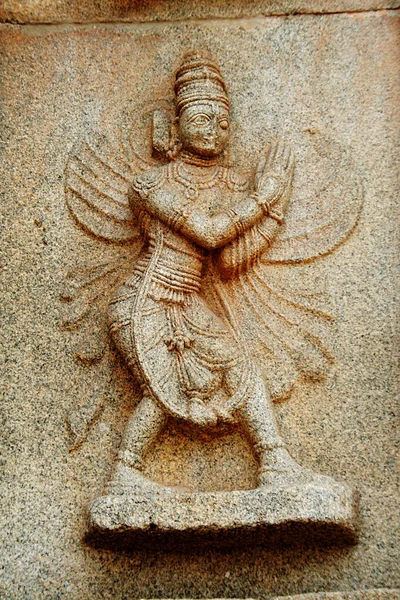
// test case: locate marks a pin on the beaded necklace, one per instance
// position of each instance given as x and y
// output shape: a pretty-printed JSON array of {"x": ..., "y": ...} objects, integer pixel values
[{"x": 192, "y": 183}]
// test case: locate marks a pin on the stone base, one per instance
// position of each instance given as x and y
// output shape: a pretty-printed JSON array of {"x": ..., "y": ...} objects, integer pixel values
[{"x": 262, "y": 516}]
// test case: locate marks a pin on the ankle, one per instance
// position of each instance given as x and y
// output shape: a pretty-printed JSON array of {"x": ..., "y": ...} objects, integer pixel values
[{"x": 130, "y": 459}]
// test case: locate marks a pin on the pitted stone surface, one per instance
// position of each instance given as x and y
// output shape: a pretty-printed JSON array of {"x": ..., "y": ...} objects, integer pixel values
[
  {"x": 319, "y": 76},
  {"x": 380, "y": 594},
  {"x": 256, "y": 516},
  {"x": 32, "y": 11}
]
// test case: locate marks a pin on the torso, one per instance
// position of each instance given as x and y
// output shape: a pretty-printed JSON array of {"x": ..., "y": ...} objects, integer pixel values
[
  {"x": 161, "y": 301},
  {"x": 181, "y": 259}
]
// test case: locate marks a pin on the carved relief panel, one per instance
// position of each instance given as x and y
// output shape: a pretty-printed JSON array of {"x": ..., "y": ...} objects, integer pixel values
[{"x": 195, "y": 311}]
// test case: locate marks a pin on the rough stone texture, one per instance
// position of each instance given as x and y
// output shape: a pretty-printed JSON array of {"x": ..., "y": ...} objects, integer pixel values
[
  {"x": 380, "y": 594},
  {"x": 32, "y": 11},
  {"x": 254, "y": 516},
  {"x": 333, "y": 76}
]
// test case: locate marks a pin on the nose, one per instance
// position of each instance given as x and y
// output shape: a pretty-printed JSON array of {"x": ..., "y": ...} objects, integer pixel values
[{"x": 212, "y": 129}]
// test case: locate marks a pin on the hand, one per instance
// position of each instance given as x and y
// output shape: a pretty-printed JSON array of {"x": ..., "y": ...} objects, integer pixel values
[{"x": 274, "y": 172}]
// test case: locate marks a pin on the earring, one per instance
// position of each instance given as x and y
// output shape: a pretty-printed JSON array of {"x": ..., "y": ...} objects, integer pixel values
[{"x": 175, "y": 145}]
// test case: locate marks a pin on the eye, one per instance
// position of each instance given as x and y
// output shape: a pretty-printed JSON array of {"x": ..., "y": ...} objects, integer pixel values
[
  {"x": 224, "y": 123},
  {"x": 200, "y": 120}
]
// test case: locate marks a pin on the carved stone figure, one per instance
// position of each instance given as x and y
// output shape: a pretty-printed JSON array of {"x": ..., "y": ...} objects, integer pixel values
[{"x": 197, "y": 303}]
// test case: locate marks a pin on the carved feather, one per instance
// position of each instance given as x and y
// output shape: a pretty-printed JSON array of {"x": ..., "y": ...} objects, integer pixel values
[
  {"x": 316, "y": 230},
  {"x": 286, "y": 332},
  {"x": 86, "y": 286},
  {"x": 88, "y": 408},
  {"x": 97, "y": 179}
]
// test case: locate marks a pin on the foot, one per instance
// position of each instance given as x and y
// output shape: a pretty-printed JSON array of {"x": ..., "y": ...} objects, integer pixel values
[
  {"x": 127, "y": 479},
  {"x": 278, "y": 469}
]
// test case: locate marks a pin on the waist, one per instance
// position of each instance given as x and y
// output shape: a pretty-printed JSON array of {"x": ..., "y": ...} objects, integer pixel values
[{"x": 172, "y": 271}]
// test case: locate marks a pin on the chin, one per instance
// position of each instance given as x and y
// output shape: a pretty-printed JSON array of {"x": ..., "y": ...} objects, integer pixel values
[{"x": 208, "y": 152}]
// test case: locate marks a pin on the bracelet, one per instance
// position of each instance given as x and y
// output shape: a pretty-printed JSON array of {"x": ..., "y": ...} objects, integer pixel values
[
  {"x": 268, "y": 210},
  {"x": 261, "y": 203},
  {"x": 276, "y": 215},
  {"x": 177, "y": 220},
  {"x": 236, "y": 220}
]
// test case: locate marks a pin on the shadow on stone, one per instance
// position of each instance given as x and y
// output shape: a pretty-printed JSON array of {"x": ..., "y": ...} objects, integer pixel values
[{"x": 268, "y": 517}]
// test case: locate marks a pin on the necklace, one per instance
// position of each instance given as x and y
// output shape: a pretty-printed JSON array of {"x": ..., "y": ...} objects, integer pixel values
[{"x": 192, "y": 182}]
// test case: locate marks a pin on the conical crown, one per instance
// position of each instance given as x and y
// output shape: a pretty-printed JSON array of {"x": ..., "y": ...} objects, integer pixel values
[{"x": 199, "y": 79}]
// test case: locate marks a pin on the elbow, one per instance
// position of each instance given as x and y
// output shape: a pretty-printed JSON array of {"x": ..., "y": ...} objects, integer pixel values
[
  {"x": 209, "y": 239},
  {"x": 211, "y": 242},
  {"x": 210, "y": 234}
]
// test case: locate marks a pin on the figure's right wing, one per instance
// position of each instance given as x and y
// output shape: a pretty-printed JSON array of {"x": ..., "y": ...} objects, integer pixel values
[{"x": 97, "y": 179}]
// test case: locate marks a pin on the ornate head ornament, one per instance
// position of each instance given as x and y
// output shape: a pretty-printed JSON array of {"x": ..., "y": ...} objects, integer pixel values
[{"x": 199, "y": 79}]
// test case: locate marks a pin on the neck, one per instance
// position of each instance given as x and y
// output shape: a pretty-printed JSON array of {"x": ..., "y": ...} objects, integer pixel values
[{"x": 190, "y": 158}]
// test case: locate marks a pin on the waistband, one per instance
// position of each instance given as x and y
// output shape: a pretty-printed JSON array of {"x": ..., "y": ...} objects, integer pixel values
[{"x": 177, "y": 277}]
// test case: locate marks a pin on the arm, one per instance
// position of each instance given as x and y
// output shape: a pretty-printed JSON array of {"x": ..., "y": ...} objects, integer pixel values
[
  {"x": 207, "y": 231},
  {"x": 245, "y": 251},
  {"x": 215, "y": 231},
  {"x": 273, "y": 179},
  {"x": 210, "y": 232}
]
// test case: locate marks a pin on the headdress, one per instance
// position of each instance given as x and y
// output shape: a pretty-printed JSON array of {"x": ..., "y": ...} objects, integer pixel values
[{"x": 199, "y": 78}]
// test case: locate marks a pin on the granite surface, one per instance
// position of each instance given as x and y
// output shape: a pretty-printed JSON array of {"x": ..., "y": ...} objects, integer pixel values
[
  {"x": 332, "y": 76},
  {"x": 379, "y": 594},
  {"x": 261, "y": 516},
  {"x": 34, "y": 11}
]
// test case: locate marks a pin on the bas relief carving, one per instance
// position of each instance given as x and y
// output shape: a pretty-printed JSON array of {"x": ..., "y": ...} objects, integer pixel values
[{"x": 194, "y": 310}]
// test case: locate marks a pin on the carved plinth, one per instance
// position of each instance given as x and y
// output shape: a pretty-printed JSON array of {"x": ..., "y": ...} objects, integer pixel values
[{"x": 262, "y": 516}]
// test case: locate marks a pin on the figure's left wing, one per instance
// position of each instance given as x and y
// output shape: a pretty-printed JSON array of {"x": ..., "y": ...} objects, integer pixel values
[
  {"x": 318, "y": 221},
  {"x": 286, "y": 329}
]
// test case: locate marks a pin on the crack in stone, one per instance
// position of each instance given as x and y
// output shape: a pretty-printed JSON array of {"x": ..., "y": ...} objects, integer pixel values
[
  {"x": 195, "y": 20},
  {"x": 62, "y": 25}
]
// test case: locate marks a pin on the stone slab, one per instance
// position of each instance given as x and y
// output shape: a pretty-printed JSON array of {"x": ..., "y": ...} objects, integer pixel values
[
  {"x": 328, "y": 514},
  {"x": 32, "y": 11},
  {"x": 378, "y": 594},
  {"x": 336, "y": 76}
]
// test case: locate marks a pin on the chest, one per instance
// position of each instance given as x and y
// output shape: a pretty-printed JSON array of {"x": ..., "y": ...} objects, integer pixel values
[{"x": 212, "y": 199}]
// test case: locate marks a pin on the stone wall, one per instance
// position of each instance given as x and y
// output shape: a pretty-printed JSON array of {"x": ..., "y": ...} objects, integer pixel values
[{"x": 305, "y": 70}]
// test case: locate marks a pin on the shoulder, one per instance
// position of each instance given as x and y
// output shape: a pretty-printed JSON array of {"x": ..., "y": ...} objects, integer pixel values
[
  {"x": 149, "y": 181},
  {"x": 235, "y": 181}
]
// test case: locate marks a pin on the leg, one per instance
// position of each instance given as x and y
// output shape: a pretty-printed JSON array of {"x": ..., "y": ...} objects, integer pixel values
[
  {"x": 277, "y": 468},
  {"x": 259, "y": 419},
  {"x": 144, "y": 426}
]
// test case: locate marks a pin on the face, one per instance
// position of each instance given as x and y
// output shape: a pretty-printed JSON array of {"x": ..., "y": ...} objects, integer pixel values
[{"x": 205, "y": 128}]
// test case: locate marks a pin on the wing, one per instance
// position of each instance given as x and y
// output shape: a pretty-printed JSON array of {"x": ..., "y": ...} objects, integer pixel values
[
  {"x": 284, "y": 328},
  {"x": 324, "y": 210},
  {"x": 85, "y": 295},
  {"x": 97, "y": 178}
]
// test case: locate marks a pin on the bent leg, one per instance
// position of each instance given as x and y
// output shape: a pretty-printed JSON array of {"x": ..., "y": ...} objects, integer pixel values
[
  {"x": 258, "y": 417},
  {"x": 144, "y": 426},
  {"x": 142, "y": 430},
  {"x": 277, "y": 467}
]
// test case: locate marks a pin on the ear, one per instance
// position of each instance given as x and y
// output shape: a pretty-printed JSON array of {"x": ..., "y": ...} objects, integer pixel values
[{"x": 161, "y": 131}]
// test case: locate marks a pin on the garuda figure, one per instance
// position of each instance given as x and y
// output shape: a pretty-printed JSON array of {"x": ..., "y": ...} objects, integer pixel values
[{"x": 198, "y": 308}]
